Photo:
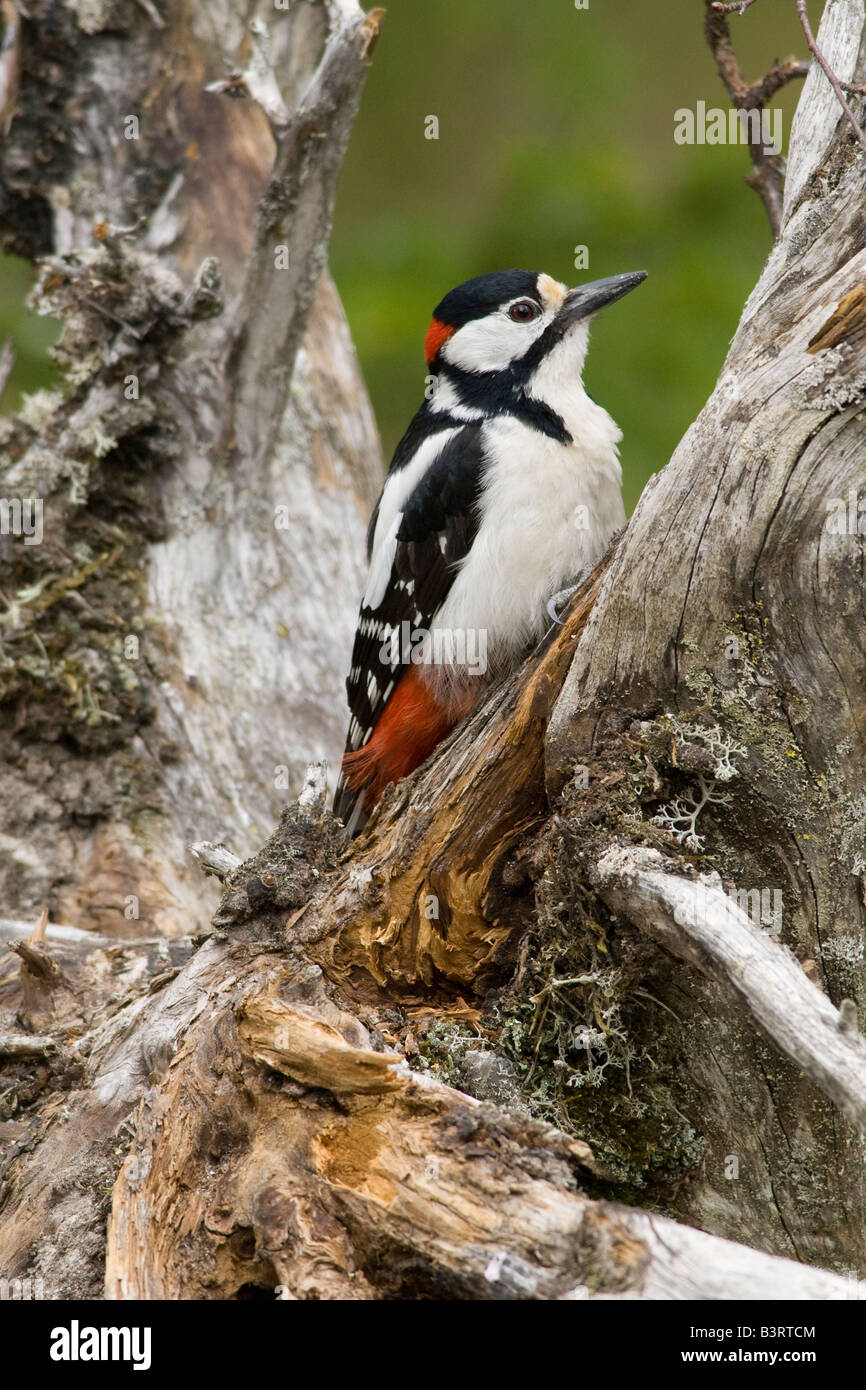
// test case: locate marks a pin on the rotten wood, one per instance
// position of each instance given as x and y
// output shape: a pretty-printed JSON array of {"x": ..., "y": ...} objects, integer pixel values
[{"x": 403, "y": 1189}]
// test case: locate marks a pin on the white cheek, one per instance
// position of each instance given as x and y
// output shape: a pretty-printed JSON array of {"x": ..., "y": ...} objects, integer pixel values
[{"x": 488, "y": 345}]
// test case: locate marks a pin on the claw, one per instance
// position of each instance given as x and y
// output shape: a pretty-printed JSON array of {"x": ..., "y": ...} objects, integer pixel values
[{"x": 559, "y": 600}]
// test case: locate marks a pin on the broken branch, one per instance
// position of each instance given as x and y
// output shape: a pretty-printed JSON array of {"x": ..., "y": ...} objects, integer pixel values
[
  {"x": 696, "y": 921},
  {"x": 288, "y": 252},
  {"x": 26, "y": 1045}
]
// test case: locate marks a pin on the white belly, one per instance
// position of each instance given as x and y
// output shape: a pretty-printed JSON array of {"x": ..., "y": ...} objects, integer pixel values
[{"x": 548, "y": 511}]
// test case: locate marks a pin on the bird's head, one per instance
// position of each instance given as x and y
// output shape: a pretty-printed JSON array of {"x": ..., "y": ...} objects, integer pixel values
[{"x": 509, "y": 321}]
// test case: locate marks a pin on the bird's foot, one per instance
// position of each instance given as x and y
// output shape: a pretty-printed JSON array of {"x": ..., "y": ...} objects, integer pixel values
[{"x": 558, "y": 602}]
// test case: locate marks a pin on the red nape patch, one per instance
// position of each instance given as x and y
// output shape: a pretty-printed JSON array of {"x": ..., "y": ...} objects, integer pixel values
[
  {"x": 408, "y": 731},
  {"x": 437, "y": 334}
]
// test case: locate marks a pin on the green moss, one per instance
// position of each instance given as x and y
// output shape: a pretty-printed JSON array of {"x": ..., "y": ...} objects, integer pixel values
[
  {"x": 70, "y": 603},
  {"x": 62, "y": 643},
  {"x": 595, "y": 1048},
  {"x": 441, "y": 1049},
  {"x": 582, "y": 1031}
]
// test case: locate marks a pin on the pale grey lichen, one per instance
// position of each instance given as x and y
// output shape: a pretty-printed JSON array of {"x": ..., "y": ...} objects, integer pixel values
[
  {"x": 720, "y": 746},
  {"x": 846, "y": 949},
  {"x": 679, "y": 817}
]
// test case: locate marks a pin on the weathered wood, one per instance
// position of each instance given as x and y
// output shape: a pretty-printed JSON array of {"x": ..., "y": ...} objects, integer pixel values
[
  {"x": 695, "y": 920},
  {"x": 161, "y": 677},
  {"x": 423, "y": 901},
  {"x": 26, "y": 1045},
  {"x": 733, "y": 607},
  {"x": 405, "y": 1188},
  {"x": 214, "y": 859},
  {"x": 818, "y": 114}
]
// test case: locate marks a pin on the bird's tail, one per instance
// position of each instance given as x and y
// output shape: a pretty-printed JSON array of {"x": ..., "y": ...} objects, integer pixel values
[{"x": 413, "y": 722}]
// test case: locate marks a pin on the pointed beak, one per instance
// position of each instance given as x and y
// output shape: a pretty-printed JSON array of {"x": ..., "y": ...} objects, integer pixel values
[{"x": 586, "y": 300}]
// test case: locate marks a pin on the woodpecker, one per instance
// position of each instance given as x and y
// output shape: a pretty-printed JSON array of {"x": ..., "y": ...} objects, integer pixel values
[{"x": 506, "y": 486}]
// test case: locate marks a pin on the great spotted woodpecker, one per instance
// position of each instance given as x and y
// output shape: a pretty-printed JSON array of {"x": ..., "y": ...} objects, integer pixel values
[{"x": 506, "y": 485}]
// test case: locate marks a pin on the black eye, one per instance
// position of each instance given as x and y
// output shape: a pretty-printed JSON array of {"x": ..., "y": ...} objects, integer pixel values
[{"x": 523, "y": 311}]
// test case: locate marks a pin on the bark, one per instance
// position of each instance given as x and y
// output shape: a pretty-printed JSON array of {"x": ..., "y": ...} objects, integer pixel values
[
  {"x": 515, "y": 1041},
  {"x": 163, "y": 663},
  {"x": 753, "y": 639}
]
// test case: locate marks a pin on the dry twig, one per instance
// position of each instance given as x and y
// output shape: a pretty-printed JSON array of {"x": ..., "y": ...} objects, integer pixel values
[
  {"x": 7, "y": 362},
  {"x": 766, "y": 175},
  {"x": 26, "y": 1045},
  {"x": 838, "y": 87}
]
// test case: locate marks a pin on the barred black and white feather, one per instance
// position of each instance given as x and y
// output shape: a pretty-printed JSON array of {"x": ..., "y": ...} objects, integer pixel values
[{"x": 423, "y": 528}]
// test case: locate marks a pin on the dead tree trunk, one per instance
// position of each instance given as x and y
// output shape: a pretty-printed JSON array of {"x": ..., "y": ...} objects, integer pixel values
[
  {"x": 163, "y": 662},
  {"x": 603, "y": 953}
]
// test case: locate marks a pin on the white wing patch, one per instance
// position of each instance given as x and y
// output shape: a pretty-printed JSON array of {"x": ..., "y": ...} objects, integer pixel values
[
  {"x": 400, "y": 485},
  {"x": 397, "y": 489},
  {"x": 380, "y": 567}
]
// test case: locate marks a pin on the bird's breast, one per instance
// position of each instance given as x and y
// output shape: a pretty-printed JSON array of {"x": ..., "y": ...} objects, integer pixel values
[{"x": 546, "y": 512}]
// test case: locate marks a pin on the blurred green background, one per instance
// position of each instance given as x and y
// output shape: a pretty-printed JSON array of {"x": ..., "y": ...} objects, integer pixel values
[{"x": 555, "y": 130}]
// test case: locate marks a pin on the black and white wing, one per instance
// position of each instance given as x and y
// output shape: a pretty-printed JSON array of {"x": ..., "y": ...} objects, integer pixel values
[{"x": 423, "y": 527}]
